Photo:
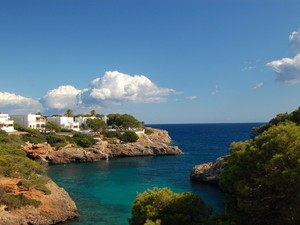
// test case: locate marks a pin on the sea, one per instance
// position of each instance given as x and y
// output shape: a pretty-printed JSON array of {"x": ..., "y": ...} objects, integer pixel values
[{"x": 104, "y": 191}]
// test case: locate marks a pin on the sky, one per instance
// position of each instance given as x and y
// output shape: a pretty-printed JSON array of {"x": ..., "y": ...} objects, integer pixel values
[{"x": 162, "y": 61}]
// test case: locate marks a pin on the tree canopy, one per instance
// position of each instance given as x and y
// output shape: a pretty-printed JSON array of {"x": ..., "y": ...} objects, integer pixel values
[
  {"x": 124, "y": 121},
  {"x": 69, "y": 113},
  {"x": 96, "y": 124},
  {"x": 164, "y": 207},
  {"x": 262, "y": 178}
]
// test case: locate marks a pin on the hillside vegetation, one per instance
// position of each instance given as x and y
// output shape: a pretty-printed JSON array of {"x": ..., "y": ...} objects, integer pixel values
[{"x": 15, "y": 164}]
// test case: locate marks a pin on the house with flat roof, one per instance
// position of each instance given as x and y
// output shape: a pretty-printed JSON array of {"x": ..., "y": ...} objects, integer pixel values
[
  {"x": 30, "y": 121},
  {"x": 64, "y": 122},
  {"x": 6, "y": 123}
]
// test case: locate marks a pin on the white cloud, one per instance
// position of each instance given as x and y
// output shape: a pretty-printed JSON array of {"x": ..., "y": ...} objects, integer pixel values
[
  {"x": 216, "y": 91},
  {"x": 259, "y": 85},
  {"x": 248, "y": 68},
  {"x": 110, "y": 89},
  {"x": 294, "y": 40},
  {"x": 63, "y": 97},
  {"x": 287, "y": 70},
  {"x": 191, "y": 97},
  {"x": 16, "y": 104},
  {"x": 116, "y": 88}
]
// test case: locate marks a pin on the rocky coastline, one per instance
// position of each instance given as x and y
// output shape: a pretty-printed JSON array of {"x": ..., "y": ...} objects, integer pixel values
[
  {"x": 156, "y": 143},
  {"x": 208, "y": 172},
  {"x": 55, "y": 207},
  {"x": 58, "y": 206}
]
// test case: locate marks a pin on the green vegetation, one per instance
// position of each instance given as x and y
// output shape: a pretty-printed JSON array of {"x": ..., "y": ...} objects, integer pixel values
[
  {"x": 14, "y": 163},
  {"x": 164, "y": 207},
  {"x": 96, "y": 124},
  {"x": 16, "y": 201},
  {"x": 148, "y": 131},
  {"x": 261, "y": 181},
  {"x": 262, "y": 178},
  {"x": 52, "y": 127},
  {"x": 69, "y": 113},
  {"x": 126, "y": 137},
  {"x": 83, "y": 140},
  {"x": 56, "y": 140},
  {"x": 129, "y": 136},
  {"x": 280, "y": 118},
  {"x": 123, "y": 121}
]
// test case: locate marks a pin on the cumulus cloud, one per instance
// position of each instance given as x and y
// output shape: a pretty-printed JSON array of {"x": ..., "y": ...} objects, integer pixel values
[
  {"x": 294, "y": 40},
  {"x": 287, "y": 70},
  {"x": 117, "y": 88},
  {"x": 63, "y": 97},
  {"x": 259, "y": 85},
  {"x": 16, "y": 104},
  {"x": 110, "y": 89}
]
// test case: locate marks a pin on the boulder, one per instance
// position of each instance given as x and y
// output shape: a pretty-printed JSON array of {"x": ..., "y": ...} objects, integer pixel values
[
  {"x": 55, "y": 207},
  {"x": 208, "y": 172}
]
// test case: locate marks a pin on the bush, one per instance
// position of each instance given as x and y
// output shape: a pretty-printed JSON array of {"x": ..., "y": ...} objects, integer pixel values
[
  {"x": 112, "y": 134},
  {"x": 162, "y": 206},
  {"x": 56, "y": 140},
  {"x": 83, "y": 140},
  {"x": 38, "y": 183},
  {"x": 148, "y": 131},
  {"x": 129, "y": 136},
  {"x": 34, "y": 138},
  {"x": 16, "y": 201}
]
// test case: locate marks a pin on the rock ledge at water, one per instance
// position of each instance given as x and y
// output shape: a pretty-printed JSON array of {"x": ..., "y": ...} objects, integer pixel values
[
  {"x": 208, "y": 172},
  {"x": 156, "y": 143},
  {"x": 55, "y": 207}
]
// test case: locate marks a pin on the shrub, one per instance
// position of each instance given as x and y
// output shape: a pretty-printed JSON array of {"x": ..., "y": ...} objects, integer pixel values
[
  {"x": 84, "y": 140},
  {"x": 129, "y": 136},
  {"x": 112, "y": 134},
  {"x": 162, "y": 206},
  {"x": 148, "y": 131},
  {"x": 56, "y": 140},
  {"x": 34, "y": 138}
]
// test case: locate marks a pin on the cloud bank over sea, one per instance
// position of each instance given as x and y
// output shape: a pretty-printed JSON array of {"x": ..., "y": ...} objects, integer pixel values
[{"x": 113, "y": 88}]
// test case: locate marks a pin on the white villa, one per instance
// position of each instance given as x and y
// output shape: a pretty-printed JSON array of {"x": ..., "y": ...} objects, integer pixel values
[
  {"x": 6, "y": 124},
  {"x": 82, "y": 119},
  {"x": 30, "y": 121},
  {"x": 65, "y": 122}
]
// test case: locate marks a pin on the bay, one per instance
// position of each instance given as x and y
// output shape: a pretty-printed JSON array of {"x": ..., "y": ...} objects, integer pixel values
[{"x": 104, "y": 191}]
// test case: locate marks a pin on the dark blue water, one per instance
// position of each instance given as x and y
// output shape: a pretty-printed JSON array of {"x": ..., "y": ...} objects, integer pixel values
[{"x": 104, "y": 191}]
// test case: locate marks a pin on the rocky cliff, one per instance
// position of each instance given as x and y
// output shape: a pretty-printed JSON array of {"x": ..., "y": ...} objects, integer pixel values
[
  {"x": 55, "y": 207},
  {"x": 157, "y": 143},
  {"x": 208, "y": 172}
]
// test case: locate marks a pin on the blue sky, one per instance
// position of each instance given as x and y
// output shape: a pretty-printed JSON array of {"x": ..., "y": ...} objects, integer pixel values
[{"x": 179, "y": 61}]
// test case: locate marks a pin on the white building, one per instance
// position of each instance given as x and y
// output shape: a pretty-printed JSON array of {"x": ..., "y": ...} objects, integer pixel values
[
  {"x": 82, "y": 120},
  {"x": 30, "y": 121},
  {"x": 64, "y": 122},
  {"x": 6, "y": 124}
]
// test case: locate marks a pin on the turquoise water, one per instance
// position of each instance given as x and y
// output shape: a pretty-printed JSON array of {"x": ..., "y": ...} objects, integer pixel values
[{"x": 104, "y": 191}]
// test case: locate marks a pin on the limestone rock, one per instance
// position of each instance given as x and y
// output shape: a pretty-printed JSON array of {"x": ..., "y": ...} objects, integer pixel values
[
  {"x": 208, "y": 172},
  {"x": 56, "y": 207},
  {"x": 156, "y": 143}
]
